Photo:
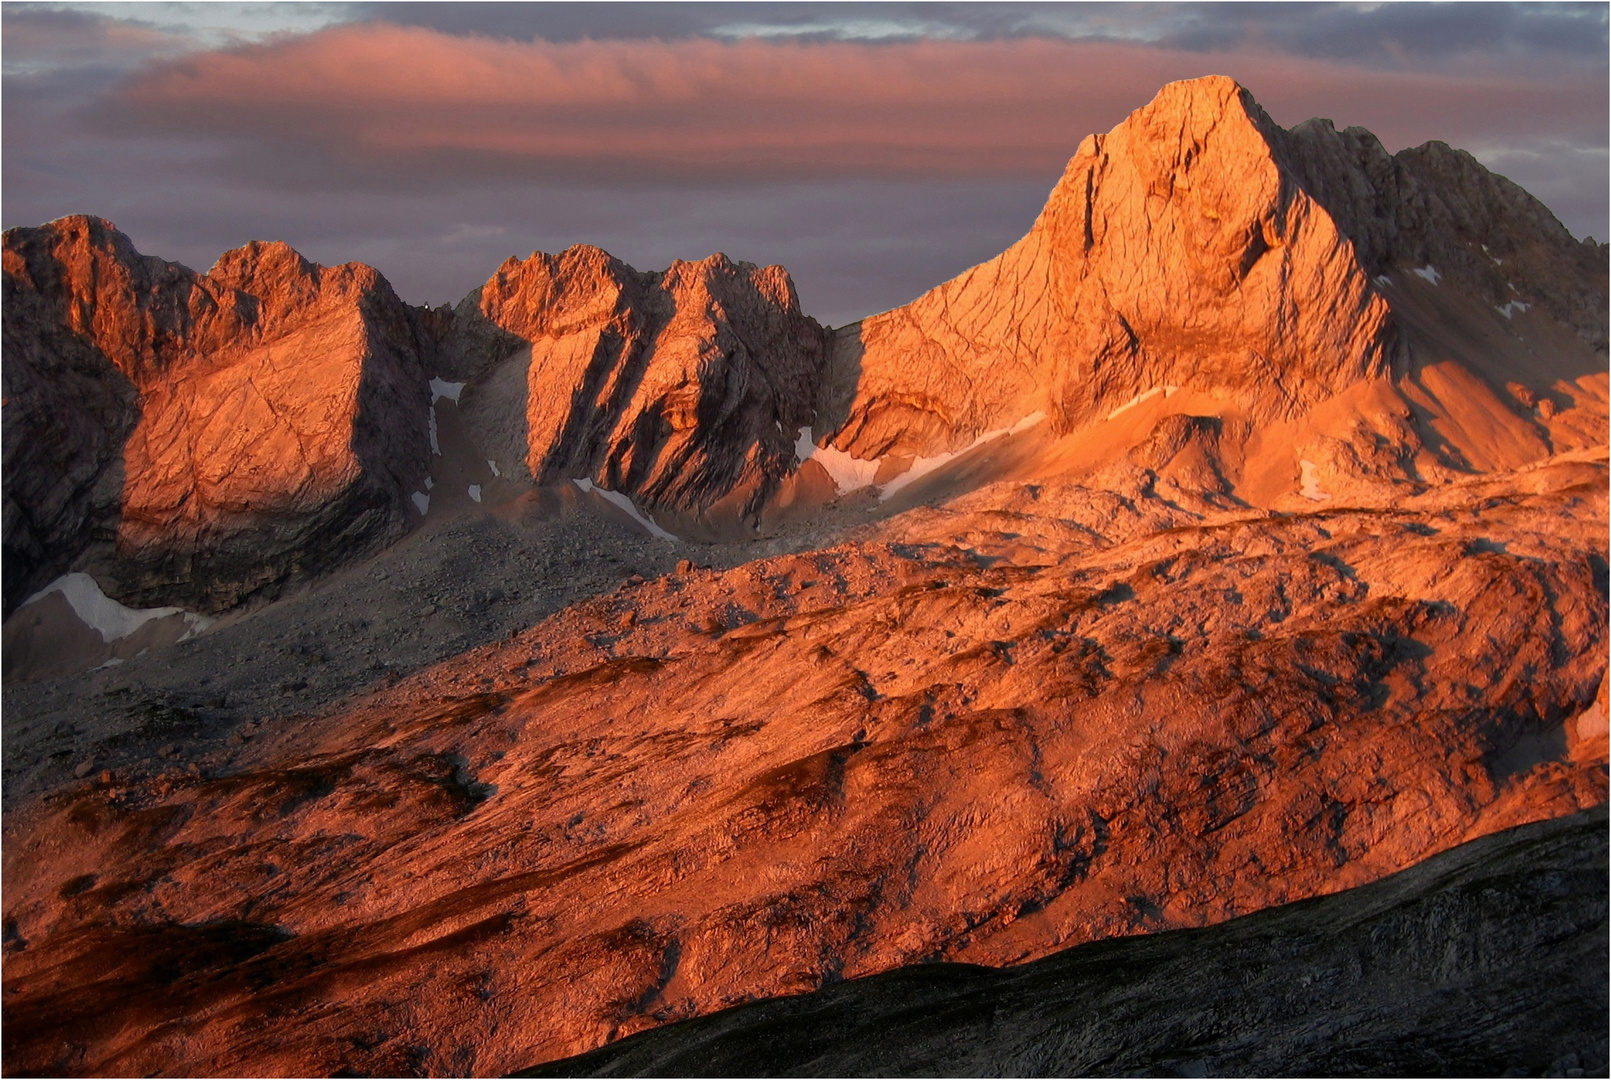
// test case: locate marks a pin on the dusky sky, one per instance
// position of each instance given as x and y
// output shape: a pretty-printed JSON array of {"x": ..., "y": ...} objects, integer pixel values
[{"x": 873, "y": 149}]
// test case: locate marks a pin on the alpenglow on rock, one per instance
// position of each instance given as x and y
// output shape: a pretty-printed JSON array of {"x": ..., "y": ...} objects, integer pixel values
[
  {"x": 199, "y": 437},
  {"x": 1199, "y": 245},
  {"x": 1236, "y": 541},
  {"x": 1333, "y": 318},
  {"x": 682, "y": 388}
]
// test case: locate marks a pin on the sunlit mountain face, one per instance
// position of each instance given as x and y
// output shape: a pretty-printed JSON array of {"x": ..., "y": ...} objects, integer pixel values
[
  {"x": 874, "y": 150},
  {"x": 1067, "y": 528}
]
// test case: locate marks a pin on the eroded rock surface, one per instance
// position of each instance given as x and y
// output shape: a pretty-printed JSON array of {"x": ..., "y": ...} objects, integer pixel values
[
  {"x": 1175, "y": 251},
  {"x": 1200, "y": 248},
  {"x": 1204, "y": 552},
  {"x": 1488, "y": 960},
  {"x": 194, "y": 438},
  {"x": 1435, "y": 206},
  {"x": 683, "y": 389},
  {"x": 716, "y": 786}
]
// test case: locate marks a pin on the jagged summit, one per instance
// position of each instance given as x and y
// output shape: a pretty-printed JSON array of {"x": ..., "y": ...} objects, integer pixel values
[
  {"x": 1175, "y": 250},
  {"x": 683, "y": 387},
  {"x": 1198, "y": 257},
  {"x": 1236, "y": 537},
  {"x": 1336, "y": 316},
  {"x": 197, "y": 437}
]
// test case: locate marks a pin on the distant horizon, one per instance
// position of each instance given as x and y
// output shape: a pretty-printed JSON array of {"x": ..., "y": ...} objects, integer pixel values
[{"x": 872, "y": 150}]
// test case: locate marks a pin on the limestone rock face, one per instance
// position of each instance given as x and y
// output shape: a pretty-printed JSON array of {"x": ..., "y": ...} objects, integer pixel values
[
  {"x": 1436, "y": 206},
  {"x": 1200, "y": 247},
  {"x": 198, "y": 437},
  {"x": 682, "y": 389},
  {"x": 1175, "y": 251},
  {"x": 1480, "y": 961},
  {"x": 716, "y": 786}
]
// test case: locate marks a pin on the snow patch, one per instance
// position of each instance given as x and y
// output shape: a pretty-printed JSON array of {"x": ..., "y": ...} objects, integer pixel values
[
  {"x": 922, "y": 466},
  {"x": 1309, "y": 481},
  {"x": 449, "y": 390},
  {"x": 1512, "y": 308},
  {"x": 493, "y": 465},
  {"x": 1383, "y": 280},
  {"x": 1147, "y": 395},
  {"x": 804, "y": 446},
  {"x": 1429, "y": 272},
  {"x": 429, "y": 483},
  {"x": 423, "y": 501},
  {"x": 625, "y": 504},
  {"x": 475, "y": 492},
  {"x": 848, "y": 473},
  {"x": 441, "y": 389},
  {"x": 106, "y": 616}
]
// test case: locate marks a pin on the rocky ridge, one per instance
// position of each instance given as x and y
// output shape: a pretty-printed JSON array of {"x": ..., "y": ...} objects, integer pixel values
[
  {"x": 196, "y": 438},
  {"x": 169, "y": 428},
  {"x": 1117, "y": 653},
  {"x": 682, "y": 388},
  {"x": 1200, "y": 248},
  {"x": 614, "y": 819},
  {"x": 1174, "y": 251}
]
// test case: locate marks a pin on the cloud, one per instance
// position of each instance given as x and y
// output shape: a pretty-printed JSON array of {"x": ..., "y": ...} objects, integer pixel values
[
  {"x": 873, "y": 149},
  {"x": 43, "y": 39},
  {"x": 1371, "y": 34},
  {"x": 50, "y": 36},
  {"x": 384, "y": 98}
]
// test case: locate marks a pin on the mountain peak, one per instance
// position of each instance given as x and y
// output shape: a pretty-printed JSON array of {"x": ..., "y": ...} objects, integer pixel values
[{"x": 1175, "y": 250}]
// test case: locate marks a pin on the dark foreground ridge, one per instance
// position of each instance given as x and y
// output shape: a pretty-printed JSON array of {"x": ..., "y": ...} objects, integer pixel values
[{"x": 1487, "y": 960}]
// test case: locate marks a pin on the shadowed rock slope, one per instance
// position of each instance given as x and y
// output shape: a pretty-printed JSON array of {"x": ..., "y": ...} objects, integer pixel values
[
  {"x": 1341, "y": 317},
  {"x": 683, "y": 388},
  {"x": 199, "y": 437},
  {"x": 716, "y": 786},
  {"x": 1488, "y": 960},
  {"x": 1300, "y": 580}
]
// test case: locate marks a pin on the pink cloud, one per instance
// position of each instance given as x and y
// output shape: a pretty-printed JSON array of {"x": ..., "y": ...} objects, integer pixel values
[{"x": 384, "y": 96}]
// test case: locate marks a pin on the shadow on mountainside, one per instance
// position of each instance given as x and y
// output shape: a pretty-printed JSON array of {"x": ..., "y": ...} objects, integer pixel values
[{"x": 1487, "y": 960}]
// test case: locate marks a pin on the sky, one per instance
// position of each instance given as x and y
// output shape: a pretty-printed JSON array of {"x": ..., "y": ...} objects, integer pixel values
[{"x": 873, "y": 149}]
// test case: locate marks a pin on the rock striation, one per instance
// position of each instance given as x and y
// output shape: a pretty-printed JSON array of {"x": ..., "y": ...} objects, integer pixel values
[
  {"x": 715, "y": 786},
  {"x": 1488, "y": 960},
  {"x": 1176, "y": 250},
  {"x": 1433, "y": 205},
  {"x": 1339, "y": 316},
  {"x": 683, "y": 388},
  {"x": 1200, "y": 247},
  {"x": 1224, "y": 555},
  {"x": 198, "y": 438}
]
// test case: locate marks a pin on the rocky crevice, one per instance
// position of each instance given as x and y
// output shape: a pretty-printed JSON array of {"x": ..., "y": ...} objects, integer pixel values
[{"x": 683, "y": 388}]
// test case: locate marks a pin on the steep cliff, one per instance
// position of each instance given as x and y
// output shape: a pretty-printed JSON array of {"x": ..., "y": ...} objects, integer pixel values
[
  {"x": 1433, "y": 205},
  {"x": 1284, "y": 568},
  {"x": 1175, "y": 251},
  {"x": 195, "y": 438},
  {"x": 1350, "y": 316},
  {"x": 682, "y": 389}
]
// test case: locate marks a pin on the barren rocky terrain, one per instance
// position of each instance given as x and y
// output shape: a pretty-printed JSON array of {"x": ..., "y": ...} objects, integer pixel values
[
  {"x": 1236, "y": 539},
  {"x": 1485, "y": 961}
]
